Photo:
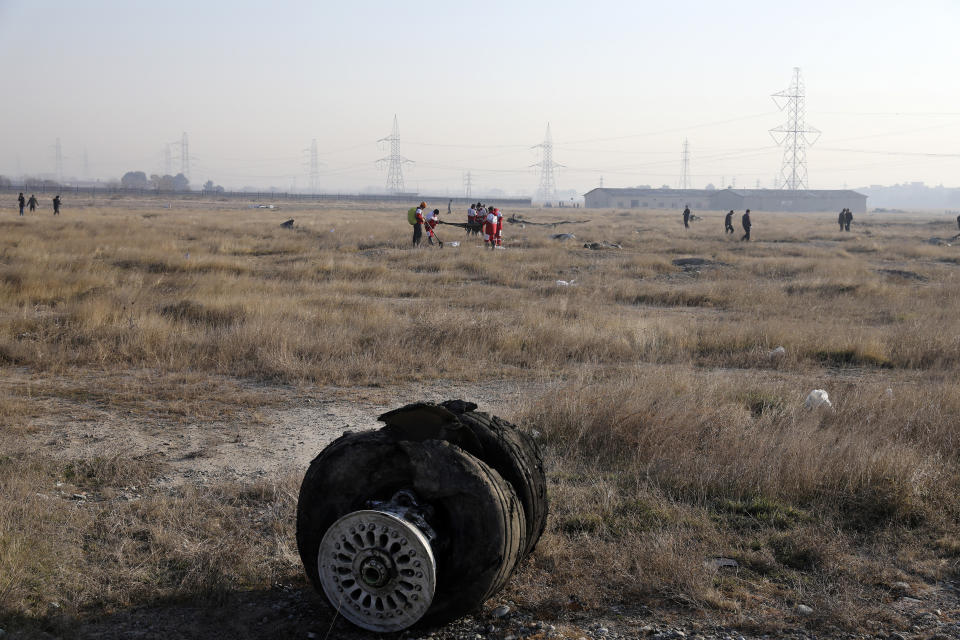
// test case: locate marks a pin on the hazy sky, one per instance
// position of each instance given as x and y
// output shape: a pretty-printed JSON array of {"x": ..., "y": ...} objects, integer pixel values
[{"x": 475, "y": 84}]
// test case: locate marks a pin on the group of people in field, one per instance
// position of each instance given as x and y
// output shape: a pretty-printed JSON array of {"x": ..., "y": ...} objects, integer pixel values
[
  {"x": 845, "y": 218},
  {"x": 481, "y": 220},
  {"x": 32, "y": 203},
  {"x": 489, "y": 220},
  {"x": 422, "y": 218},
  {"x": 727, "y": 222}
]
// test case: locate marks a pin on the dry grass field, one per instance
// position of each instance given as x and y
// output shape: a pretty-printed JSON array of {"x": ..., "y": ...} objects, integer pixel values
[{"x": 138, "y": 341}]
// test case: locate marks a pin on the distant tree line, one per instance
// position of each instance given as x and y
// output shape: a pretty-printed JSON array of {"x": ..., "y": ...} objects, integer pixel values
[
  {"x": 139, "y": 180},
  {"x": 29, "y": 183},
  {"x": 179, "y": 182}
]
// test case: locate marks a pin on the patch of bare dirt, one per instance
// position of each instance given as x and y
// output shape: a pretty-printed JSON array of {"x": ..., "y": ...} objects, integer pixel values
[{"x": 250, "y": 444}]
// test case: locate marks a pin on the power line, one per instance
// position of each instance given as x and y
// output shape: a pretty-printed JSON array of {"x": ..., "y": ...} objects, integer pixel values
[
  {"x": 469, "y": 146},
  {"x": 914, "y": 114},
  {"x": 547, "y": 191},
  {"x": 394, "y": 162},
  {"x": 674, "y": 130},
  {"x": 467, "y": 185},
  {"x": 185, "y": 155},
  {"x": 58, "y": 160},
  {"x": 314, "y": 167},
  {"x": 896, "y": 153},
  {"x": 793, "y": 135},
  {"x": 685, "y": 165}
]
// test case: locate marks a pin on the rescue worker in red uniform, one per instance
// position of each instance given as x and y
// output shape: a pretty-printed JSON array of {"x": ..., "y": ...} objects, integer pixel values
[
  {"x": 432, "y": 219},
  {"x": 499, "y": 226},
  {"x": 490, "y": 229}
]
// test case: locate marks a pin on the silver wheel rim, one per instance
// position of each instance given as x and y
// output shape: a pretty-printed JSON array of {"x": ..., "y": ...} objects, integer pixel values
[{"x": 378, "y": 570}]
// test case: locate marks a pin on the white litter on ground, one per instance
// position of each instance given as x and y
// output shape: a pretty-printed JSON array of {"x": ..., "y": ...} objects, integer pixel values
[
  {"x": 779, "y": 352},
  {"x": 817, "y": 398},
  {"x": 565, "y": 283}
]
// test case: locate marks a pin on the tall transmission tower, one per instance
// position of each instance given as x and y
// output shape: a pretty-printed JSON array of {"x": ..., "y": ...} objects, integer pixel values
[
  {"x": 314, "y": 167},
  {"x": 184, "y": 155},
  {"x": 685, "y": 165},
  {"x": 794, "y": 136},
  {"x": 547, "y": 191},
  {"x": 58, "y": 159},
  {"x": 394, "y": 162},
  {"x": 467, "y": 185}
]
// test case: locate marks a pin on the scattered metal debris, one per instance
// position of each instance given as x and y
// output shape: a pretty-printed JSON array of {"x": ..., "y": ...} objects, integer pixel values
[
  {"x": 518, "y": 219},
  {"x": 596, "y": 246},
  {"x": 721, "y": 563},
  {"x": 906, "y": 275},
  {"x": 817, "y": 398}
]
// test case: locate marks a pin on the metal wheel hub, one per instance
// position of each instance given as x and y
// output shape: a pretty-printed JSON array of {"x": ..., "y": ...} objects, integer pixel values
[{"x": 377, "y": 569}]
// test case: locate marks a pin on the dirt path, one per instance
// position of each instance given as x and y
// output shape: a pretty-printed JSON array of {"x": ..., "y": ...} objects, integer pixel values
[{"x": 256, "y": 443}]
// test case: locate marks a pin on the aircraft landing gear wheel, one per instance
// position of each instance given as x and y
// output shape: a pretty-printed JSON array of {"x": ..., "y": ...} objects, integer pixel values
[
  {"x": 377, "y": 570},
  {"x": 470, "y": 515}
]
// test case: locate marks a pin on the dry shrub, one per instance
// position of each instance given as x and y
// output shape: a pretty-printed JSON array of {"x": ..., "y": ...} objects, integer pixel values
[
  {"x": 105, "y": 552},
  {"x": 655, "y": 474},
  {"x": 705, "y": 439},
  {"x": 194, "y": 312}
]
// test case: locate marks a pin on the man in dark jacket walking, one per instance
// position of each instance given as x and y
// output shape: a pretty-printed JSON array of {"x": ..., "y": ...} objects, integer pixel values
[
  {"x": 728, "y": 223},
  {"x": 745, "y": 221},
  {"x": 847, "y": 218},
  {"x": 56, "y": 205},
  {"x": 22, "y": 202},
  {"x": 842, "y": 217},
  {"x": 686, "y": 217},
  {"x": 33, "y": 202}
]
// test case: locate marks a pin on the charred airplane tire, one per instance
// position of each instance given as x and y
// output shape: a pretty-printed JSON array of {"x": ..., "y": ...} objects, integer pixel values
[
  {"x": 478, "y": 519},
  {"x": 511, "y": 452},
  {"x": 515, "y": 456}
]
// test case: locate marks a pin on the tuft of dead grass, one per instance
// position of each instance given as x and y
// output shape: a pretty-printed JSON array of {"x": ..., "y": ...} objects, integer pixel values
[
  {"x": 656, "y": 474},
  {"x": 65, "y": 556}
]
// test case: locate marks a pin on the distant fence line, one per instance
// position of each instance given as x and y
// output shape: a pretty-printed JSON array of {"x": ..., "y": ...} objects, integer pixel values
[{"x": 105, "y": 191}]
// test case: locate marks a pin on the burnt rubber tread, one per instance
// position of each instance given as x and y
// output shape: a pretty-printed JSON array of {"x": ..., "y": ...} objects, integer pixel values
[
  {"x": 513, "y": 524},
  {"x": 479, "y": 520},
  {"x": 517, "y": 457}
]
